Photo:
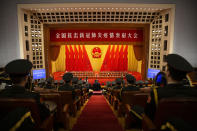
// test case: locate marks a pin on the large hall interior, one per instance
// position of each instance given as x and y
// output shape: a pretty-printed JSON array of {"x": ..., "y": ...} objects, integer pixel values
[{"x": 98, "y": 65}]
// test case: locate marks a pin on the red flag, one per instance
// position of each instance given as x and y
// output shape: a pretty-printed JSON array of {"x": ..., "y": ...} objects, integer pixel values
[
  {"x": 80, "y": 59},
  {"x": 106, "y": 61},
  {"x": 72, "y": 59},
  {"x": 87, "y": 61},
  {"x": 76, "y": 59},
  {"x": 116, "y": 57},
  {"x": 67, "y": 59},
  {"x": 120, "y": 60},
  {"x": 125, "y": 60},
  {"x": 111, "y": 65}
]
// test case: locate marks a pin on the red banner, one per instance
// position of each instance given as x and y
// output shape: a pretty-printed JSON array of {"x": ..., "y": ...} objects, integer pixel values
[{"x": 96, "y": 35}]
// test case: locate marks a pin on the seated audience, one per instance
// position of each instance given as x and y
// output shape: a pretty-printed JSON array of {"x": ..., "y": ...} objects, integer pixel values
[
  {"x": 49, "y": 84},
  {"x": 118, "y": 84},
  {"x": 67, "y": 86},
  {"x": 177, "y": 69},
  {"x": 75, "y": 83},
  {"x": 18, "y": 71},
  {"x": 131, "y": 84},
  {"x": 140, "y": 84},
  {"x": 96, "y": 86}
]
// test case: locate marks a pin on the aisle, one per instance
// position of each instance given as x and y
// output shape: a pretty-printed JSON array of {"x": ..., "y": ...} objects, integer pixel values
[{"x": 97, "y": 116}]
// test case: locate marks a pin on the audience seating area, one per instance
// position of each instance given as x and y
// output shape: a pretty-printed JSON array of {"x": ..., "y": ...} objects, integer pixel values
[
  {"x": 168, "y": 108},
  {"x": 122, "y": 102},
  {"x": 66, "y": 106}
]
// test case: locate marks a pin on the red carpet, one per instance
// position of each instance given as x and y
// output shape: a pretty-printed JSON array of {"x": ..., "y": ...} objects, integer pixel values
[{"x": 97, "y": 116}]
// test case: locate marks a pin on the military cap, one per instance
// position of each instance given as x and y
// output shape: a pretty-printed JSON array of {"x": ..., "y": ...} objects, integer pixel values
[
  {"x": 179, "y": 63},
  {"x": 108, "y": 83},
  {"x": 146, "y": 82},
  {"x": 68, "y": 77},
  {"x": 130, "y": 78},
  {"x": 75, "y": 80},
  {"x": 19, "y": 67},
  {"x": 61, "y": 81},
  {"x": 118, "y": 81},
  {"x": 80, "y": 82},
  {"x": 113, "y": 83},
  {"x": 140, "y": 82},
  {"x": 50, "y": 80},
  {"x": 55, "y": 82}
]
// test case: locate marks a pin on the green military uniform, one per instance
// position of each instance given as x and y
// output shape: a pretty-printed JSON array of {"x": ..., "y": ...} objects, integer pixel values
[
  {"x": 118, "y": 84},
  {"x": 21, "y": 68},
  {"x": 22, "y": 121},
  {"x": 179, "y": 64},
  {"x": 131, "y": 86},
  {"x": 67, "y": 86}
]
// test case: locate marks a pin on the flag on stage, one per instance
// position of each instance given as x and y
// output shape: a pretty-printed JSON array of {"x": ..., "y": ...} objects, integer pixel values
[
  {"x": 77, "y": 66},
  {"x": 116, "y": 57},
  {"x": 105, "y": 65},
  {"x": 87, "y": 64},
  {"x": 125, "y": 59},
  {"x": 111, "y": 64},
  {"x": 120, "y": 60},
  {"x": 67, "y": 59},
  {"x": 72, "y": 59},
  {"x": 81, "y": 65}
]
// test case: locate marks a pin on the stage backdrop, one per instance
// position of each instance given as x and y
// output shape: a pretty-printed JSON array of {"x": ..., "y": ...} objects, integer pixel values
[{"x": 96, "y": 58}]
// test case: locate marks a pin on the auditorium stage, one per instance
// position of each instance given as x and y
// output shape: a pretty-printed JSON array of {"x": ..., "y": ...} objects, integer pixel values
[{"x": 102, "y": 77}]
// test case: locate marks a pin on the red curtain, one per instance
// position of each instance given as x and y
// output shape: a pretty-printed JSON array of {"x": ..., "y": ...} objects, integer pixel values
[
  {"x": 55, "y": 50},
  {"x": 138, "y": 52}
]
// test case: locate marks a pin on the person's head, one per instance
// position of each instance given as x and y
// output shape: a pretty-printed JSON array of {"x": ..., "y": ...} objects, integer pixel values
[
  {"x": 113, "y": 83},
  {"x": 130, "y": 79},
  {"x": 96, "y": 81},
  {"x": 177, "y": 68},
  {"x": 140, "y": 84},
  {"x": 61, "y": 82},
  {"x": 160, "y": 79},
  {"x": 50, "y": 80},
  {"x": 108, "y": 84},
  {"x": 68, "y": 77},
  {"x": 118, "y": 81},
  {"x": 75, "y": 80},
  {"x": 80, "y": 82},
  {"x": 18, "y": 71}
]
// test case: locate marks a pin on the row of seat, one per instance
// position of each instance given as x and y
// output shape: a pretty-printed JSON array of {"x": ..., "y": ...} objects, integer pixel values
[
  {"x": 67, "y": 106},
  {"x": 183, "y": 108}
]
